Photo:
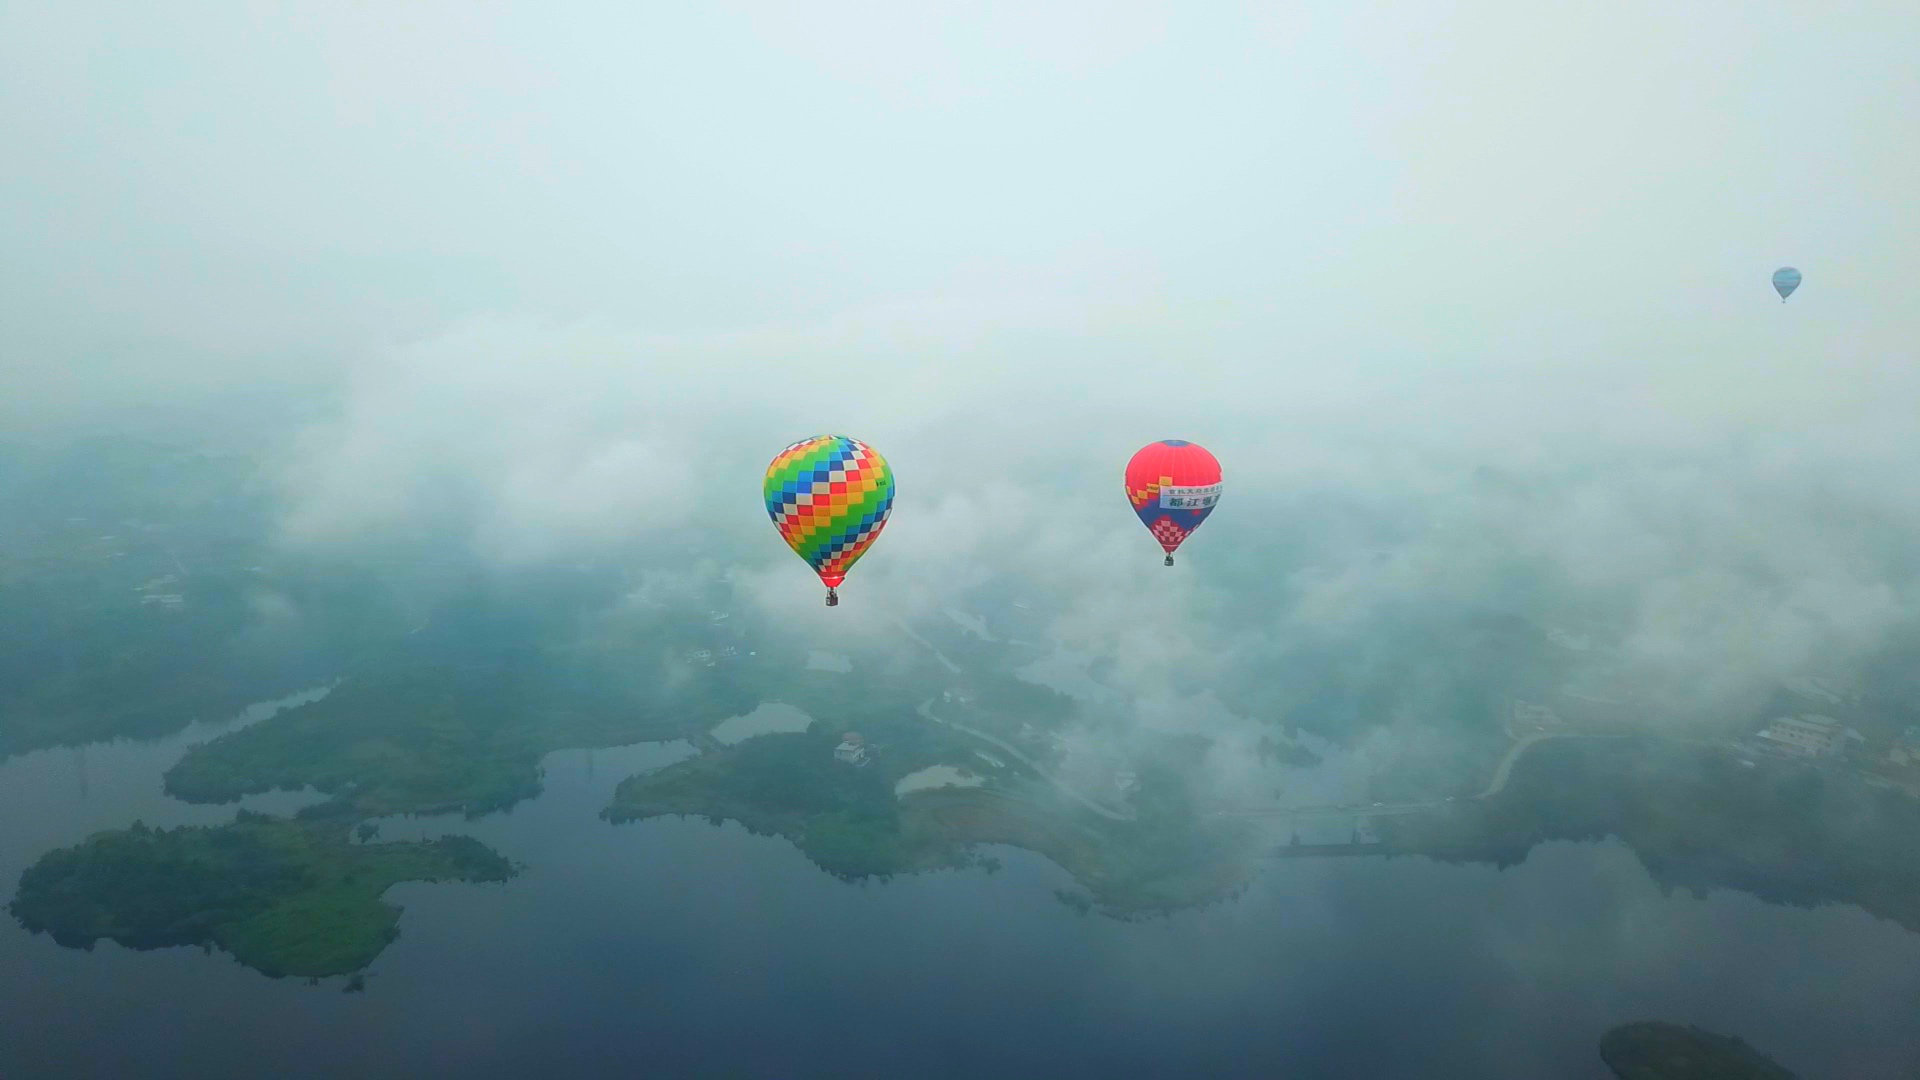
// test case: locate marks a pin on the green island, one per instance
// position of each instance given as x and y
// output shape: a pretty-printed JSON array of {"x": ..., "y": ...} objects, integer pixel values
[
  {"x": 849, "y": 821},
  {"x": 284, "y": 897},
  {"x": 1698, "y": 818},
  {"x": 1652, "y": 1050}
]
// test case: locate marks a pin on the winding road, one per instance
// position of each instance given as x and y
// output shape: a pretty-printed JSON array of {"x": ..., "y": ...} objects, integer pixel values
[
  {"x": 1501, "y": 773},
  {"x": 1505, "y": 768},
  {"x": 926, "y": 710}
]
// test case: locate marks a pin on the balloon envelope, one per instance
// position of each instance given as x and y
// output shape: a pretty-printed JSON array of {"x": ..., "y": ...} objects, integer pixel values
[
  {"x": 1173, "y": 485},
  {"x": 829, "y": 496},
  {"x": 1785, "y": 280}
]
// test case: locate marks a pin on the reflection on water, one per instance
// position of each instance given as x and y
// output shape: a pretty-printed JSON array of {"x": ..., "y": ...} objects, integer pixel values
[
  {"x": 59, "y": 796},
  {"x": 936, "y": 776},
  {"x": 1066, "y": 671},
  {"x": 576, "y": 786},
  {"x": 972, "y": 624},
  {"x": 828, "y": 661},
  {"x": 704, "y": 950},
  {"x": 765, "y": 719}
]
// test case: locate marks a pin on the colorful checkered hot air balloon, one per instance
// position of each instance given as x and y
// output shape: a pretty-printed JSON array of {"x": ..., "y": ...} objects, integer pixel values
[
  {"x": 829, "y": 496},
  {"x": 1173, "y": 485}
]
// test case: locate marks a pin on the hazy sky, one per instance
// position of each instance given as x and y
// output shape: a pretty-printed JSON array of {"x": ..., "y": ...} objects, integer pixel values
[
  {"x": 550, "y": 262},
  {"x": 1263, "y": 196}
]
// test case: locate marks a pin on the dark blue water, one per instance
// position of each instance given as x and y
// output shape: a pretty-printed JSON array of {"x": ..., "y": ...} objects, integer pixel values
[{"x": 678, "y": 948}]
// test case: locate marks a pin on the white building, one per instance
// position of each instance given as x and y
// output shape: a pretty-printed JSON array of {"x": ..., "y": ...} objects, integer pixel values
[
  {"x": 852, "y": 750},
  {"x": 1803, "y": 736}
]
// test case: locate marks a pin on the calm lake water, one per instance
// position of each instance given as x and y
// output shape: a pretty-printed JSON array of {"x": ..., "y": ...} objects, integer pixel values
[
  {"x": 674, "y": 947},
  {"x": 765, "y": 719}
]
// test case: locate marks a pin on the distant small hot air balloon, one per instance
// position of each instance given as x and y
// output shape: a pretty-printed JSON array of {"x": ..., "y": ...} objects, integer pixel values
[
  {"x": 1785, "y": 280},
  {"x": 829, "y": 496},
  {"x": 1173, "y": 485}
]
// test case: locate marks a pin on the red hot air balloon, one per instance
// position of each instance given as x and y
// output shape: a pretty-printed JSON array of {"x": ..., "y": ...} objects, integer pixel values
[{"x": 1173, "y": 485}]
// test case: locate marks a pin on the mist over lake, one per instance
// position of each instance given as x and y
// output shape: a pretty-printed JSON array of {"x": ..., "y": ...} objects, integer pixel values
[{"x": 1120, "y": 540}]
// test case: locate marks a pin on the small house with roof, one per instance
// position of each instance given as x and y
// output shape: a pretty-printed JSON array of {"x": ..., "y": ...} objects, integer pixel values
[{"x": 852, "y": 750}]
